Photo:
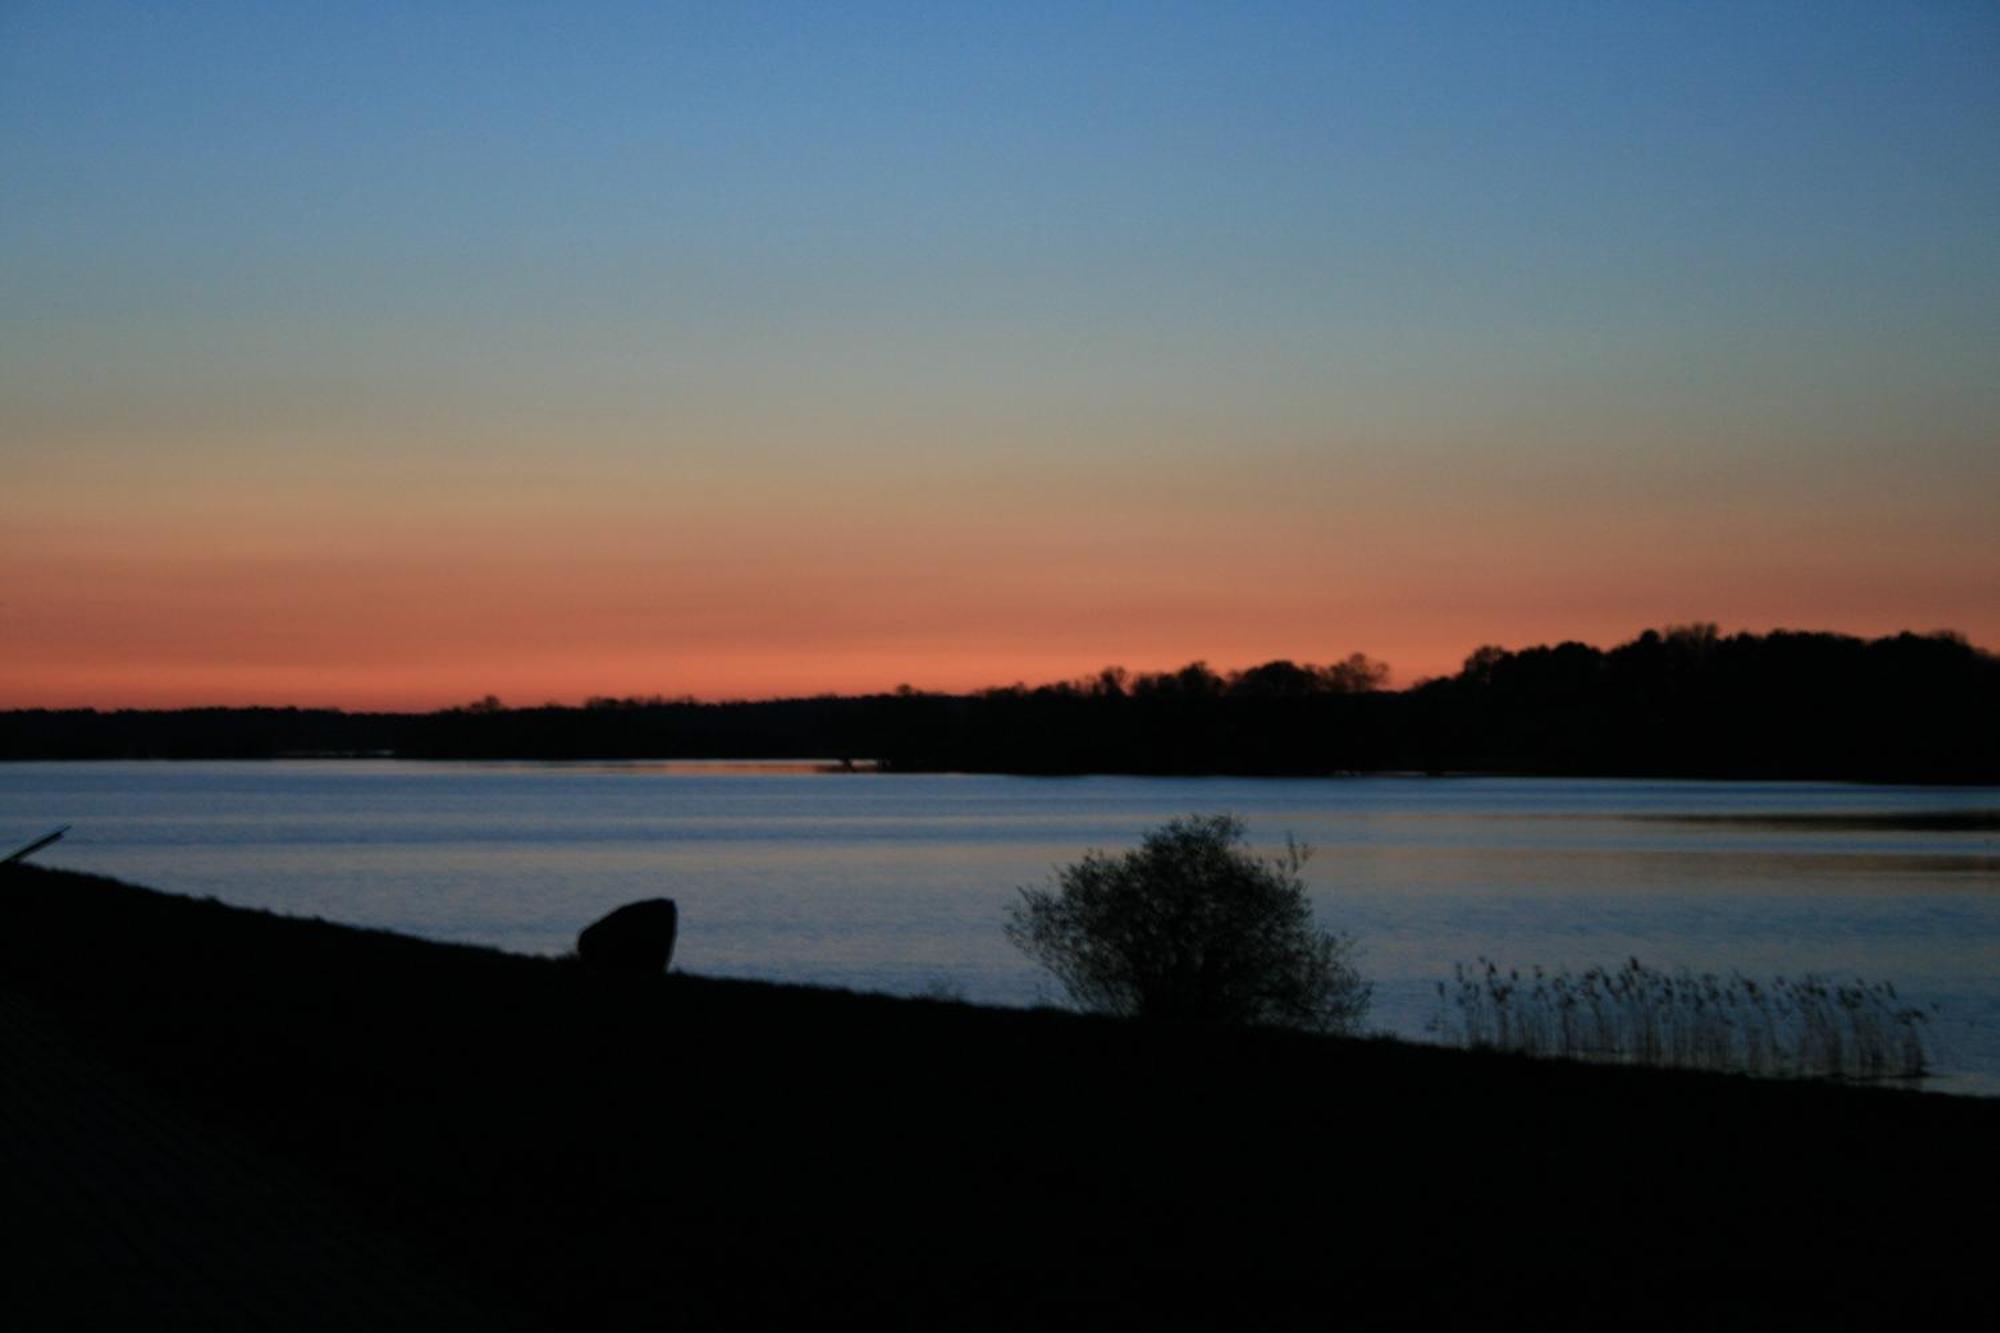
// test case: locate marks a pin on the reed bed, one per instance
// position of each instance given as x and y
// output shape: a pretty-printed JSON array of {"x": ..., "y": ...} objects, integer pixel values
[{"x": 1805, "y": 1027}]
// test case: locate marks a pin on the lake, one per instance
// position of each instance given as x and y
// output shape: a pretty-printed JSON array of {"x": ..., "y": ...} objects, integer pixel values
[{"x": 898, "y": 883}]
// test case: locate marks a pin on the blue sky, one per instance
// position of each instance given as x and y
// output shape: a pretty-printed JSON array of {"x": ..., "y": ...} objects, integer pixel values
[{"x": 1212, "y": 278}]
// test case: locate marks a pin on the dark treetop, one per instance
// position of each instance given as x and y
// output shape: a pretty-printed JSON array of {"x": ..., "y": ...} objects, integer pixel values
[{"x": 1687, "y": 702}]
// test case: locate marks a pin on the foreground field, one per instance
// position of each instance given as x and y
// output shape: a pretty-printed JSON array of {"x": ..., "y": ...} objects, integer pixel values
[{"x": 427, "y": 1134}]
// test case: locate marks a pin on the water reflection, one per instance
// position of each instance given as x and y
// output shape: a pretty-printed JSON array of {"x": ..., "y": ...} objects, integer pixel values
[
  {"x": 897, "y": 883},
  {"x": 1918, "y": 821}
]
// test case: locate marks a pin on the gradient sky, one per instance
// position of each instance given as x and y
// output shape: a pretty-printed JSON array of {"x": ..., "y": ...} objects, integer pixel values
[{"x": 392, "y": 354}]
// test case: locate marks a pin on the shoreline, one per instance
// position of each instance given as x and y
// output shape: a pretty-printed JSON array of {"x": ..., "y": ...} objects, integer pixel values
[
  {"x": 586, "y": 1148},
  {"x": 867, "y": 768}
]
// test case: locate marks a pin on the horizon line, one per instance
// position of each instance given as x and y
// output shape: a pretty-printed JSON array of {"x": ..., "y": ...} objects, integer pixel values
[{"x": 492, "y": 702}]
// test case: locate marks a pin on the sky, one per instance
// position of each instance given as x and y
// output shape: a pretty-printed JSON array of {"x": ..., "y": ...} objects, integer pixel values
[{"x": 391, "y": 355}]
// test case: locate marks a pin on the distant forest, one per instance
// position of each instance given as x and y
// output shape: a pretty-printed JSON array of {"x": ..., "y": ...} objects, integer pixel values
[{"x": 1684, "y": 702}]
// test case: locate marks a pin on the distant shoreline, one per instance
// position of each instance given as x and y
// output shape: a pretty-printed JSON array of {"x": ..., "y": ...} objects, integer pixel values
[
  {"x": 1784, "y": 706},
  {"x": 865, "y": 768}
]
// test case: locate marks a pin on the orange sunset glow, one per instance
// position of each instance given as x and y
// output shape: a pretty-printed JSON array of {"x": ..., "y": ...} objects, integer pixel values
[
  {"x": 828, "y": 582},
  {"x": 762, "y": 384}
]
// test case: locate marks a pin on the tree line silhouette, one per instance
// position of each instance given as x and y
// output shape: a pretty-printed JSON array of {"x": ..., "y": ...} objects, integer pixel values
[{"x": 1684, "y": 702}]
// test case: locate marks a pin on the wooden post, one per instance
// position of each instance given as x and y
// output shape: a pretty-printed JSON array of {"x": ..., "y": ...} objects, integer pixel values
[{"x": 23, "y": 853}]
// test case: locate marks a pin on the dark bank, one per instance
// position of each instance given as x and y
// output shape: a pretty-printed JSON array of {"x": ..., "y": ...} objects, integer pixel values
[
  {"x": 559, "y": 1147},
  {"x": 1688, "y": 702}
]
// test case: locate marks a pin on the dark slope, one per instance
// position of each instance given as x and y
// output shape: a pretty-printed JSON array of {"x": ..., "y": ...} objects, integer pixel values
[{"x": 604, "y": 1152}]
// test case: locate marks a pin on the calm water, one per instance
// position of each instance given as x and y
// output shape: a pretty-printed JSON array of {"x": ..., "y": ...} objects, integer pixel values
[{"x": 898, "y": 883}]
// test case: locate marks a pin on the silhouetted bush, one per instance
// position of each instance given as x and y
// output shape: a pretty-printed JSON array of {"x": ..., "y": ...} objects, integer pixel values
[{"x": 1193, "y": 927}]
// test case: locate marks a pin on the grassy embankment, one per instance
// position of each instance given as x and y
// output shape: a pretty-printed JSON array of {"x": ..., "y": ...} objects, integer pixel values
[{"x": 582, "y": 1150}]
